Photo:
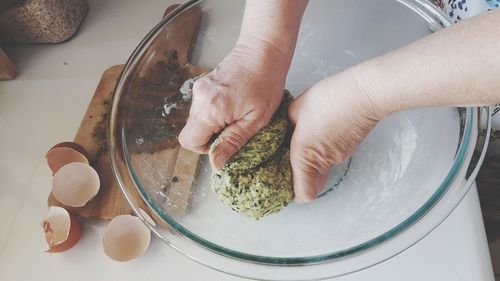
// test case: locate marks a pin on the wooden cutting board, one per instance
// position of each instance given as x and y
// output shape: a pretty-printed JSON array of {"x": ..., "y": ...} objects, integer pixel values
[{"x": 178, "y": 163}]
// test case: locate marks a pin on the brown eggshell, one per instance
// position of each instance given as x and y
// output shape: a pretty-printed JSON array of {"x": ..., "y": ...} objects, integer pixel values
[
  {"x": 64, "y": 153},
  {"x": 126, "y": 238},
  {"x": 75, "y": 184},
  {"x": 74, "y": 146},
  {"x": 62, "y": 230}
]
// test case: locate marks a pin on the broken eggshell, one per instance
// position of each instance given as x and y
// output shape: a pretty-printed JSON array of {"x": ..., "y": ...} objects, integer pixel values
[
  {"x": 62, "y": 230},
  {"x": 74, "y": 146},
  {"x": 126, "y": 238},
  {"x": 75, "y": 184},
  {"x": 64, "y": 153}
]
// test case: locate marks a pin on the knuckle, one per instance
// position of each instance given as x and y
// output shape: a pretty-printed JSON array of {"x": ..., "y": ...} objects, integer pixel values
[
  {"x": 261, "y": 121},
  {"x": 233, "y": 139},
  {"x": 210, "y": 97},
  {"x": 201, "y": 86},
  {"x": 342, "y": 149},
  {"x": 317, "y": 158},
  {"x": 311, "y": 159},
  {"x": 216, "y": 104}
]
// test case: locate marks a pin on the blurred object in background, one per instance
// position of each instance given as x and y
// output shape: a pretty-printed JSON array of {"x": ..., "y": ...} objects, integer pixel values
[
  {"x": 4, "y": 4},
  {"x": 7, "y": 67},
  {"x": 40, "y": 21},
  {"x": 37, "y": 21}
]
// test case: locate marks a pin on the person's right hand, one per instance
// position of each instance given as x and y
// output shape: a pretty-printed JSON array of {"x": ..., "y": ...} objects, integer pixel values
[
  {"x": 331, "y": 118},
  {"x": 236, "y": 99}
]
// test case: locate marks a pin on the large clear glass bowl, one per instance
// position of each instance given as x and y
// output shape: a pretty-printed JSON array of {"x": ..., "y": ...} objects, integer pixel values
[{"x": 403, "y": 180}]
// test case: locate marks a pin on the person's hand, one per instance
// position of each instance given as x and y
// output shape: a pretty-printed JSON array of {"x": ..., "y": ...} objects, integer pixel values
[
  {"x": 334, "y": 116},
  {"x": 236, "y": 99},
  {"x": 331, "y": 119}
]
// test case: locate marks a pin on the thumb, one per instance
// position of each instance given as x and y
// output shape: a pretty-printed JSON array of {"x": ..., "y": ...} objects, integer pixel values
[
  {"x": 308, "y": 179},
  {"x": 231, "y": 140},
  {"x": 196, "y": 135}
]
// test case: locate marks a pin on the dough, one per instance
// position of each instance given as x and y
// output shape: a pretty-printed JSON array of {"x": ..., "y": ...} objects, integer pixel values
[{"x": 257, "y": 181}]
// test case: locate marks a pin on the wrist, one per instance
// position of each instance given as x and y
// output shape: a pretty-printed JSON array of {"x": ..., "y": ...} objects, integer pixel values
[
  {"x": 272, "y": 25},
  {"x": 266, "y": 47},
  {"x": 370, "y": 83},
  {"x": 271, "y": 40},
  {"x": 263, "y": 56}
]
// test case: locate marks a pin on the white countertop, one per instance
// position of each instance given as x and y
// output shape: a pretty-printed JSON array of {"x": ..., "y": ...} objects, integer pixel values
[{"x": 44, "y": 105}]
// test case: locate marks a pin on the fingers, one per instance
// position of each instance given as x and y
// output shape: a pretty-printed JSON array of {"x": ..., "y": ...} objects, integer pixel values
[
  {"x": 300, "y": 104},
  {"x": 293, "y": 110},
  {"x": 196, "y": 135},
  {"x": 215, "y": 112},
  {"x": 307, "y": 185},
  {"x": 201, "y": 125},
  {"x": 309, "y": 176},
  {"x": 234, "y": 100},
  {"x": 232, "y": 139}
]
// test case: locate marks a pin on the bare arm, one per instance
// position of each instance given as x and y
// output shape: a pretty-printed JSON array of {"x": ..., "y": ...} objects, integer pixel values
[
  {"x": 458, "y": 66},
  {"x": 240, "y": 95},
  {"x": 273, "y": 23}
]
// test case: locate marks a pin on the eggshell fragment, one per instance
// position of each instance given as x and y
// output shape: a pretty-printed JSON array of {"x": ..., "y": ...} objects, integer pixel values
[
  {"x": 74, "y": 184},
  {"x": 62, "y": 230},
  {"x": 126, "y": 238},
  {"x": 74, "y": 146},
  {"x": 64, "y": 153}
]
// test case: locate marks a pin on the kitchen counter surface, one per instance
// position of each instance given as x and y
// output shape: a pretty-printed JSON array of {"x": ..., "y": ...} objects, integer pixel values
[{"x": 44, "y": 105}]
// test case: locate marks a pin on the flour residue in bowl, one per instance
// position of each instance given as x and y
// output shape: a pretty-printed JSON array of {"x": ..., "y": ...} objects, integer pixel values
[
  {"x": 399, "y": 153},
  {"x": 167, "y": 108},
  {"x": 404, "y": 145},
  {"x": 406, "y": 141}
]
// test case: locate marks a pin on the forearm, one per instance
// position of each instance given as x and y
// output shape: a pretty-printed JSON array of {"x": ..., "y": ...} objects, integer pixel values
[
  {"x": 458, "y": 66},
  {"x": 272, "y": 26}
]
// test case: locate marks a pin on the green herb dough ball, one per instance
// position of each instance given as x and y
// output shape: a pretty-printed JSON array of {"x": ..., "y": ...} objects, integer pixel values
[{"x": 257, "y": 180}]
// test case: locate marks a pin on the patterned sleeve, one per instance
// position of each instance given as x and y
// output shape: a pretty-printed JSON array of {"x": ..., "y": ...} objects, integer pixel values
[{"x": 458, "y": 10}]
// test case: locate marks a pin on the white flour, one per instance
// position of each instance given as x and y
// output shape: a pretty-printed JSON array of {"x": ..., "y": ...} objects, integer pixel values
[
  {"x": 406, "y": 142},
  {"x": 396, "y": 155},
  {"x": 187, "y": 89},
  {"x": 400, "y": 155},
  {"x": 393, "y": 156},
  {"x": 167, "y": 108}
]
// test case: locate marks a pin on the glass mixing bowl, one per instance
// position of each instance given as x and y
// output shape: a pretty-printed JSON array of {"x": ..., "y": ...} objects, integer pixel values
[{"x": 404, "y": 179}]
